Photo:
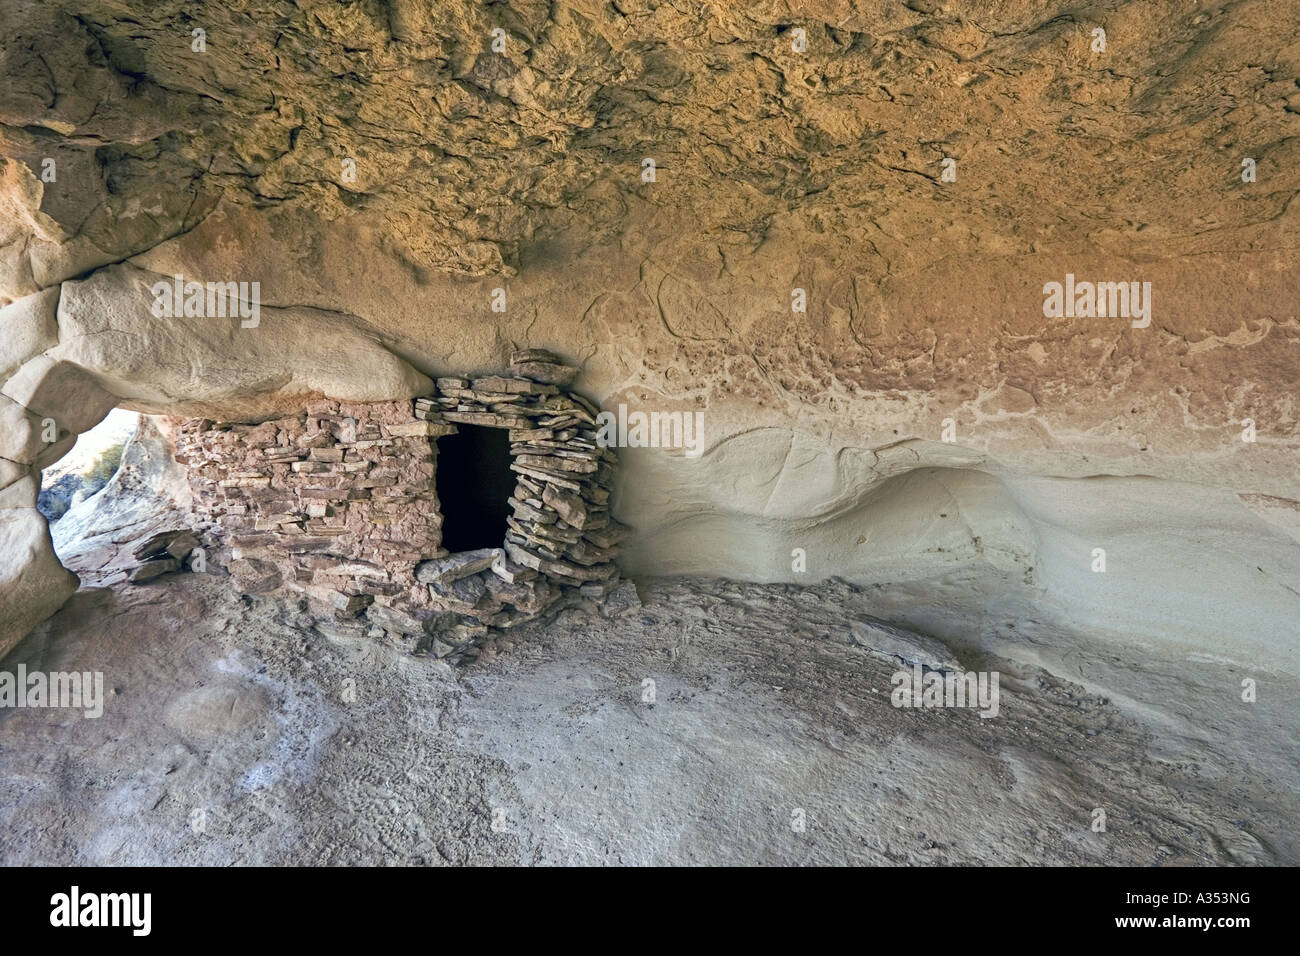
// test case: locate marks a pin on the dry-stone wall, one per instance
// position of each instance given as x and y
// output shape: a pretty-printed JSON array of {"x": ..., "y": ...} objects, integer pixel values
[{"x": 339, "y": 503}]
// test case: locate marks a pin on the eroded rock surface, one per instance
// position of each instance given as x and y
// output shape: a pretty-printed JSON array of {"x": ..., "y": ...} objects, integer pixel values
[
  {"x": 414, "y": 202},
  {"x": 468, "y": 152},
  {"x": 236, "y": 733}
]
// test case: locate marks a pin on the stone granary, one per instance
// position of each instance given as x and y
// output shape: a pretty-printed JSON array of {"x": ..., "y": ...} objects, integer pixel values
[{"x": 481, "y": 506}]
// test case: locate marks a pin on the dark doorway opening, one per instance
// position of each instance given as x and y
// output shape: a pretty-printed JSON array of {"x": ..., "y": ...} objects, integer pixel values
[{"x": 474, "y": 484}]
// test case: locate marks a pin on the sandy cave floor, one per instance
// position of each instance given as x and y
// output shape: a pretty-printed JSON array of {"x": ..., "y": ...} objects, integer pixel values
[{"x": 227, "y": 738}]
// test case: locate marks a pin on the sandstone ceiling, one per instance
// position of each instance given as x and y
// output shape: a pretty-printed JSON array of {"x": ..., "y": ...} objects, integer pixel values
[{"x": 465, "y": 153}]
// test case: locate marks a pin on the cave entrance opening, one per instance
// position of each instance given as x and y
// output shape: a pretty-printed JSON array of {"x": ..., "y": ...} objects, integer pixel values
[
  {"x": 85, "y": 470},
  {"x": 474, "y": 484}
]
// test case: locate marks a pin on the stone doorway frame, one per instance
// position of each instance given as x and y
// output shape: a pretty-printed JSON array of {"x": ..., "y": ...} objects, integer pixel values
[{"x": 560, "y": 529}]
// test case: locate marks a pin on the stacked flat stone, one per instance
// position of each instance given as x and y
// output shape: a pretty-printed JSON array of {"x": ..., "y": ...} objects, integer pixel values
[
  {"x": 337, "y": 503},
  {"x": 163, "y": 553},
  {"x": 561, "y": 539}
]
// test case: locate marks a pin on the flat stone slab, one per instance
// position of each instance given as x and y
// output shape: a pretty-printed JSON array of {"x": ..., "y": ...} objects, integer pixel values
[
  {"x": 498, "y": 383},
  {"x": 598, "y": 572},
  {"x": 510, "y": 572},
  {"x": 527, "y": 512},
  {"x": 154, "y": 569},
  {"x": 443, "y": 571},
  {"x": 463, "y": 593},
  {"x": 177, "y": 543},
  {"x": 420, "y": 430},
  {"x": 888, "y": 640},
  {"x": 567, "y": 505},
  {"x": 524, "y": 557},
  {"x": 549, "y": 463},
  {"x": 548, "y": 477},
  {"x": 489, "y": 419}
]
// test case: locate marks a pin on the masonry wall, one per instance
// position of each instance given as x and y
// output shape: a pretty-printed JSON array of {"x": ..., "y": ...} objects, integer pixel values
[{"x": 339, "y": 503}]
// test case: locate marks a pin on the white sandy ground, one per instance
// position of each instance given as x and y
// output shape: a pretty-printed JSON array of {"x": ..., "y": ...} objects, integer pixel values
[
  {"x": 293, "y": 742},
  {"x": 765, "y": 704}
]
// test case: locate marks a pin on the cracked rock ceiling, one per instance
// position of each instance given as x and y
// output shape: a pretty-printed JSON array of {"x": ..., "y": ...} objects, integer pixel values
[{"x": 465, "y": 154}]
